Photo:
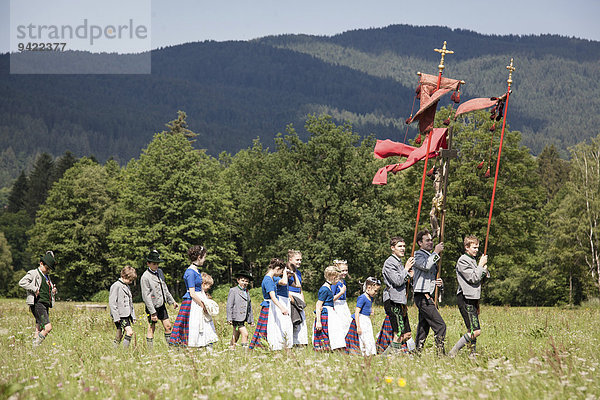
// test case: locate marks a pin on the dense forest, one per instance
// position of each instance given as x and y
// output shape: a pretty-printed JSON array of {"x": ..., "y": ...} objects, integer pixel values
[
  {"x": 314, "y": 195},
  {"x": 235, "y": 92}
]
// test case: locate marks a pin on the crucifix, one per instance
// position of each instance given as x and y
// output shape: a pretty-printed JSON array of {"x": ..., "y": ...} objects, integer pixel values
[
  {"x": 442, "y": 187},
  {"x": 443, "y": 51}
]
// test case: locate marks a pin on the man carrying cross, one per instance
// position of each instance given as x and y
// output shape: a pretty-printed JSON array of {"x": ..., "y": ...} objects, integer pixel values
[{"x": 424, "y": 285}]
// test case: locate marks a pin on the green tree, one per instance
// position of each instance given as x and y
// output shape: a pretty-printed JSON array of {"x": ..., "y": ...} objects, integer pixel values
[
  {"x": 180, "y": 126},
  {"x": 518, "y": 277},
  {"x": 6, "y": 268},
  {"x": 62, "y": 164},
  {"x": 173, "y": 198},
  {"x": 18, "y": 194},
  {"x": 575, "y": 222},
  {"x": 316, "y": 197},
  {"x": 15, "y": 227},
  {"x": 73, "y": 223},
  {"x": 40, "y": 181},
  {"x": 553, "y": 170}
]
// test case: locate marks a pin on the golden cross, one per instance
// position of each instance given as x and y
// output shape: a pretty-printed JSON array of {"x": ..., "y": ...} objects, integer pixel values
[
  {"x": 511, "y": 69},
  {"x": 443, "y": 52}
]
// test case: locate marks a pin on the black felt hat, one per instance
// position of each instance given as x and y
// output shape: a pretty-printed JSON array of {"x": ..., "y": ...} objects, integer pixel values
[
  {"x": 244, "y": 274},
  {"x": 48, "y": 259},
  {"x": 154, "y": 256}
]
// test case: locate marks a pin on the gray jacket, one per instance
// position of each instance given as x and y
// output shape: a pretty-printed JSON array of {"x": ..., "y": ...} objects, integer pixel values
[
  {"x": 425, "y": 271},
  {"x": 470, "y": 276},
  {"x": 239, "y": 306},
  {"x": 395, "y": 278},
  {"x": 155, "y": 292},
  {"x": 120, "y": 301},
  {"x": 32, "y": 282}
]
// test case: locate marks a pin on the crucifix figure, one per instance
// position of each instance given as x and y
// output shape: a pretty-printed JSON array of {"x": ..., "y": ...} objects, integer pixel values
[{"x": 437, "y": 201}]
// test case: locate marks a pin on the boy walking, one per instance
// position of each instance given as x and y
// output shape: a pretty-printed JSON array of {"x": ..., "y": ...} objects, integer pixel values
[
  {"x": 424, "y": 285},
  {"x": 40, "y": 295},
  {"x": 120, "y": 303},
  {"x": 470, "y": 275},
  {"x": 395, "y": 277},
  {"x": 239, "y": 308},
  {"x": 155, "y": 295}
]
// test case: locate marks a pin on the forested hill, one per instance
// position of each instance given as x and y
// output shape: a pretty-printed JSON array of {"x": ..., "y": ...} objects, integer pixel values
[
  {"x": 234, "y": 92},
  {"x": 555, "y": 87}
]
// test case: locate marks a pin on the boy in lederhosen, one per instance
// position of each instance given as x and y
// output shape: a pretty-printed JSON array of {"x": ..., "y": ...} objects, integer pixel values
[
  {"x": 470, "y": 275},
  {"x": 396, "y": 276},
  {"x": 120, "y": 304},
  {"x": 239, "y": 308},
  {"x": 40, "y": 295},
  {"x": 424, "y": 285},
  {"x": 156, "y": 295}
]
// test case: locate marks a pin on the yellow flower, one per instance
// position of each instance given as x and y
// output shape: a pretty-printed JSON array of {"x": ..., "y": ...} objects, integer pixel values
[
  {"x": 401, "y": 382},
  {"x": 388, "y": 379},
  {"x": 53, "y": 343}
]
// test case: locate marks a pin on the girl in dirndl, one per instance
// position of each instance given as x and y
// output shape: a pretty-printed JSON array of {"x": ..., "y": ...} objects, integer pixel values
[
  {"x": 272, "y": 324},
  {"x": 328, "y": 331},
  {"x": 339, "y": 294},
  {"x": 192, "y": 306},
  {"x": 296, "y": 296},
  {"x": 202, "y": 332},
  {"x": 359, "y": 339}
]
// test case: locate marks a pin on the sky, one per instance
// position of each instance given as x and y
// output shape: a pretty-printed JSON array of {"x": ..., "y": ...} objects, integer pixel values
[{"x": 181, "y": 21}]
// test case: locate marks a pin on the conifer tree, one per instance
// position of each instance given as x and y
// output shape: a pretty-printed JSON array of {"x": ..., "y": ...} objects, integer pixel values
[
  {"x": 40, "y": 181},
  {"x": 18, "y": 194}
]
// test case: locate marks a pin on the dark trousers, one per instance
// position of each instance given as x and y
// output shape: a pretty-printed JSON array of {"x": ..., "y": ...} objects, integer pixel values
[{"x": 429, "y": 317}]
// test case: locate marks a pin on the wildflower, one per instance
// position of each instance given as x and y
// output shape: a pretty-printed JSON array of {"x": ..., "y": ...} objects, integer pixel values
[
  {"x": 401, "y": 382},
  {"x": 388, "y": 379}
]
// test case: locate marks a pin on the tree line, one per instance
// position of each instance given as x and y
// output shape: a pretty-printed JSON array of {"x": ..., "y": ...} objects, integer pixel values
[{"x": 313, "y": 195}]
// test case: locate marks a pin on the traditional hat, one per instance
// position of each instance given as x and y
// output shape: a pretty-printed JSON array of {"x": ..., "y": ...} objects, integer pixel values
[
  {"x": 245, "y": 274},
  {"x": 48, "y": 259},
  {"x": 154, "y": 256}
]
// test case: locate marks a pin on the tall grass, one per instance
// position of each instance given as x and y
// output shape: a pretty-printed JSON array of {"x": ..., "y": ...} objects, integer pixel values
[{"x": 537, "y": 353}]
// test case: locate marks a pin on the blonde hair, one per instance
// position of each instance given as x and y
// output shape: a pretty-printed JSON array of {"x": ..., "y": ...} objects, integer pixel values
[
  {"x": 128, "y": 272},
  {"x": 469, "y": 240},
  {"x": 337, "y": 263},
  {"x": 330, "y": 272},
  {"x": 207, "y": 279},
  {"x": 292, "y": 253}
]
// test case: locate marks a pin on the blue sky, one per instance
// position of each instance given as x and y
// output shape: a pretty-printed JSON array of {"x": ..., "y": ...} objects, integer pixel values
[{"x": 180, "y": 21}]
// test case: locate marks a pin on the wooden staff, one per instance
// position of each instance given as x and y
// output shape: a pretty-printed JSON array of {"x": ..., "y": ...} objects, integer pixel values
[
  {"x": 446, "y": 154},
  {"x": 443, "y": 51}
]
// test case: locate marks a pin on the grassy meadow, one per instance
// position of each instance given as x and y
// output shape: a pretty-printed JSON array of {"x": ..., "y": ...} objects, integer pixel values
[{"x": 524, "y": 353}]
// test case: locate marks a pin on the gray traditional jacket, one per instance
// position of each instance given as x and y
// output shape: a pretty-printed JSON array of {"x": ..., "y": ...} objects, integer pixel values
[
  {"x": 470, "y": 276},
  {"x": 395, "y": 278},
  {"x": 239, "y": 306},
  {"x": 32, "y": 282},
  {"x": 120, "y": 301},
  {"x": 155, "y": 292},
  {"x": 425, "y": 271}
]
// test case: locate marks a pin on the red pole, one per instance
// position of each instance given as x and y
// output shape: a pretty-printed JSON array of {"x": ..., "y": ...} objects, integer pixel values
[
  {"x": 412, "y": 252},
  {"x": 487, "y": 234}
]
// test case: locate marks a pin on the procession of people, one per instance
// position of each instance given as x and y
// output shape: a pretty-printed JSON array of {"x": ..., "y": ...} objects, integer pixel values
[{"x": 282, "y": 322}]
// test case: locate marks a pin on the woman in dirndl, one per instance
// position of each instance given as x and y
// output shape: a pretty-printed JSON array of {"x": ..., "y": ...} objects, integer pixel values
[
  {"x": 274, "y": 323},
  {"x": 328, "y": 330},
  {"x": 192, "y": 307}
]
